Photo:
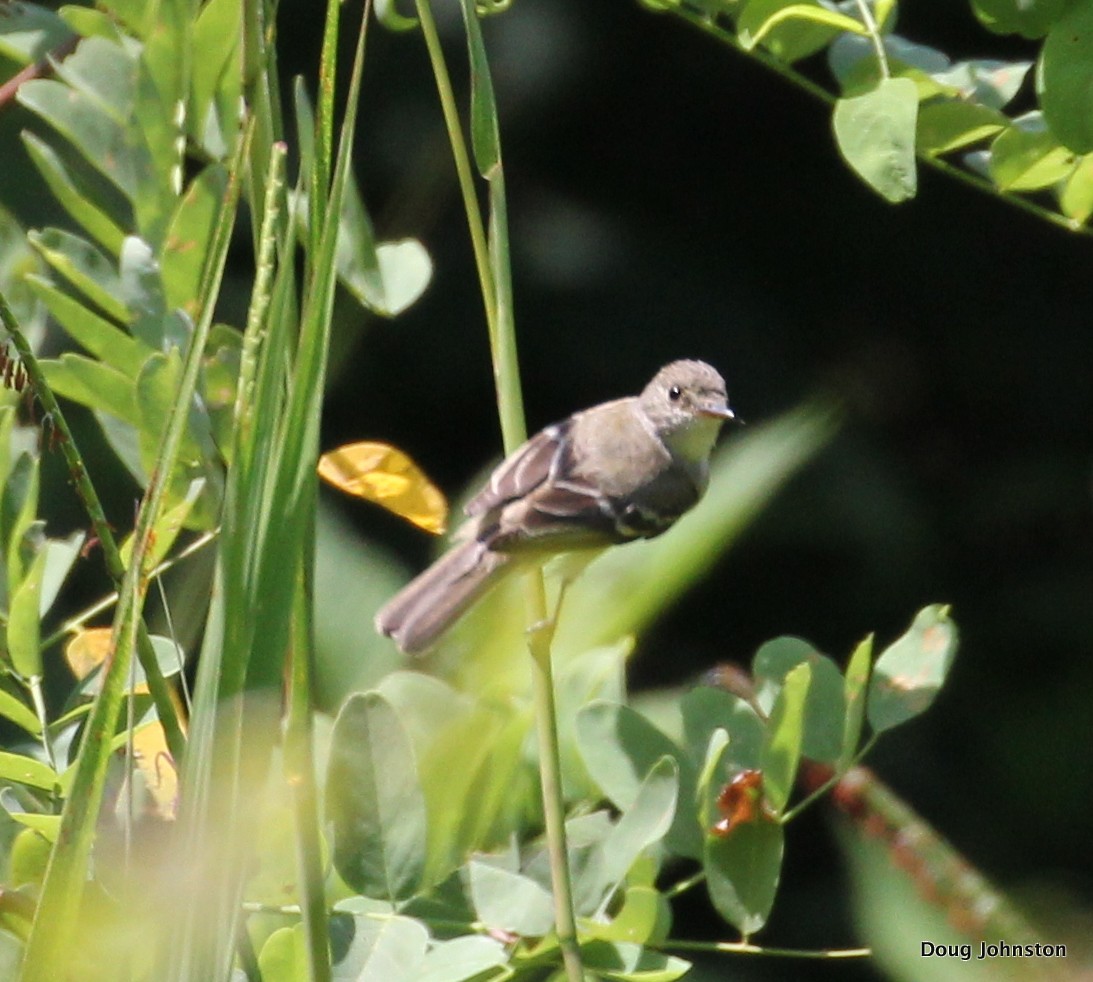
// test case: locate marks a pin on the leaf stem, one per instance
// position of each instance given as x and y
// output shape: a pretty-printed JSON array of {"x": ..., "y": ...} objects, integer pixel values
[
  {"x": 790, "y": 813},
  {"x": 874, "y": 36},
  {"x": 550, "y": 771},
  {"x": 684, "y": 885},
  {"x": 746, "y": 948}
]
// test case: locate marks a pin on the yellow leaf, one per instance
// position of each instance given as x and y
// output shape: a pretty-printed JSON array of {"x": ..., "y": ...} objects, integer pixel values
[
  {"x": 87, "y": 650},
  {"x": 158, "y": 768},
  {"x": 382, "y": 474}
]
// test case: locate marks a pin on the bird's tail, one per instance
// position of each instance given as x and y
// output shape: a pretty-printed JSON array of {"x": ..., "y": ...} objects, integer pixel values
[{"x": 428, "y": 605}]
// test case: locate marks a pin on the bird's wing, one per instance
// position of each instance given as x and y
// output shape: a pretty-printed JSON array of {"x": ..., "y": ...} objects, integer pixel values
[{"x": 527, "y": 468}]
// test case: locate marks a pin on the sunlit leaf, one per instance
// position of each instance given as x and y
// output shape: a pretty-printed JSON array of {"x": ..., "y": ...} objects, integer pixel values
[
  {"x": 87, "y": 650},
  {"x": 814, "y": 14},
  {"x": 386, "y": 476},
  {"x": 188, "y": 233},
  {"x": 27, "y": 770},
  {"x": 876, "y": 136},
  {"x": 17, "y": 712},
  {"x": 790, "y": 38},
  {"x": 93, "y": 384},
  {"x": 24, "y": 620},
  {"x": 464, "y": 957},
  {"x": 158, "y": 768},
  {"x": 911, "y": 671},
  {"x": 1026, "y": 156},
  {"x": 509, "y": 901},
  {"x": 1076, "y": 195},
  {"x": 46, "y": 825},
  {"x": 949, "y": 125},
  {"x": 855, "y": 690},
  {"x": 785, "y": 736},
  {"x": 85, "y": 267}
]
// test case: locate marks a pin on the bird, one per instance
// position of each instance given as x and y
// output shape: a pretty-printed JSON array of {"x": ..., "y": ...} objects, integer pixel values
[{"x": 620, "y": 471}]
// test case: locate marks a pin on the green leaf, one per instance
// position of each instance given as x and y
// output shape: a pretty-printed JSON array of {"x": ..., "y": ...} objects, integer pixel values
[
  {"x": 983, "y": 81},
  {"x": 1064, "y": 78},
  {"x": 1030, "y": 19},
  {"x": 76, "y": 198},
  {"x": 188, "y": 234},
  {"x": 26, "y": 770},
  {"x": 17, "y": 261},
  {"x": 89, "y": 22},
  {"x": 374, "y": 801},
  {"x": 135, "y": 14},
  {"x": 785, "y": 735},
  {"x": 101, "y": 141},
  {"x": 100, "y": 337},
  {"x": 742, "y": 871},
  {"x": 399, "y": 277},
  {"x": 508, "y": 901},
  {"x": 645, "y": 916},
  {"x": 282, "y": 958},
  {"x": 485, "y": 135},
  {"x": 645, "y": 822},
  {"x": 855, "y": 690},
  {"x": 707, "y": 708},
  {"x": 1076, "y": 195},
  {"x": 622, "y": 962},
  {"x": 141, "y": 288},
  {"x": 948, "y": 125},
  {"x": 468, "y": 753},
  {"x": 779, "y": 13},
  {"x": 464, "y": 957},
  {"x": 60, "y": 556},
  {"x": 92, "y": 384},
  {"x": 825, "y": 707},
  {"x": 29, "y": 32},
  {"x": 1026, "y": 156},
  {"x": 47, "y": 826},
  {"x": 790, "y": 36},
  {"x": 619, "y": 748},
  {"x": 213, "y": 119},
  {"x": 911, "y": 671},
  {"x": 876, "y": 136},
  {"x": 19, "y": 713},
  {"x": 156, "y": 391},
  {"x": 712, "y": 777},
  {"x": 85, "y": 267},
  {"x": 389, "y": 950},
  {"x": 18, "y": 508}
]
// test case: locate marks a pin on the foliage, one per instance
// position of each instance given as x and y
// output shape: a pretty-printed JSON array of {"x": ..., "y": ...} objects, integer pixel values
[
  {"x": 402, "y": 840},
  {"x": 895, "y": 100}
]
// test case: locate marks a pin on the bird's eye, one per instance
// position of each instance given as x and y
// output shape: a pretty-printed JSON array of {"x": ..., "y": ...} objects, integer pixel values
[{"x": 674, "y": 393}]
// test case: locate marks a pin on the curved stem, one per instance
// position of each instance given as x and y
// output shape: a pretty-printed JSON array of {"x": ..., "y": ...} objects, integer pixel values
[{"x": 874, "y": 36}]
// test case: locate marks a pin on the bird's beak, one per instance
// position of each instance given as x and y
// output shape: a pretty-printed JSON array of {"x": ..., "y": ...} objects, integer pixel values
[{"x": 717, "y": 412}]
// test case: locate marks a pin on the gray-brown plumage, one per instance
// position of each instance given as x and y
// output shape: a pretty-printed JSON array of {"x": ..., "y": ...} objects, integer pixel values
[{"x": 620, "y": 471}]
